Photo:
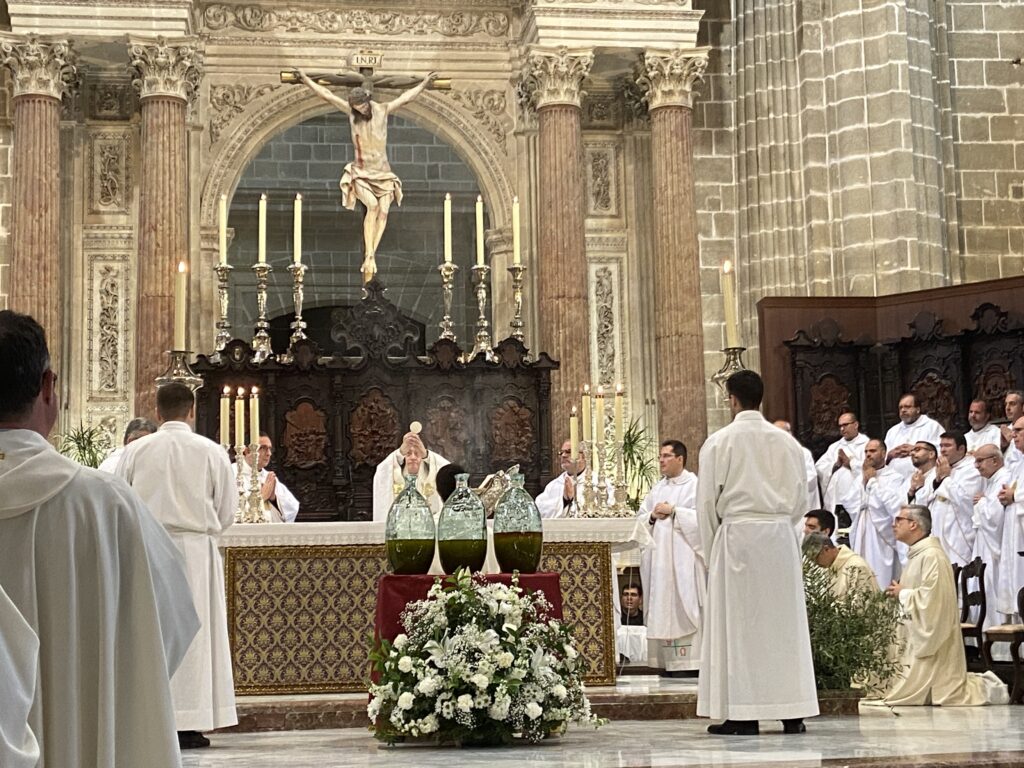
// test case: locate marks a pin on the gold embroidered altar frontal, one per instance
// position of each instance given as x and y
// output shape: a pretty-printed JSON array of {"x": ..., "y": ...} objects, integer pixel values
[{"x": 300, "y": 619}]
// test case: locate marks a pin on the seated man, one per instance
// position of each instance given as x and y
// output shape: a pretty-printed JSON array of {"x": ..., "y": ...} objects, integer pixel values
[
  {"x": 136, "y": 428},
  {"x": 631, "y": 634},
  {"x": 819, "y": 521},
  {"x": 279, "y": 504},
  {"x": 848, "y": 569},
  {"x": 411, "y": 458},
  {"x": 934, "y": 667}
]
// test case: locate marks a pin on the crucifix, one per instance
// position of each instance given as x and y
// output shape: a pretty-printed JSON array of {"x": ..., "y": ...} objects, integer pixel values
[{"x": 368, "y": 179}]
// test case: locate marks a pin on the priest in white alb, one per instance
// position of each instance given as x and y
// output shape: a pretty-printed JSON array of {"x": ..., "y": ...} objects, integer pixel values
[
  {"x": 672, "y": 570},
  {"x": 982, "y": 431},
  {"x": 93, "y": 574},
  {"x": 839, "y": 467},
  {"x": 1011, "y": 570},
  {"x": 135, "y": 430},
  {"x": 1013, "y": 407},
  {"x": 934, "y": 666},
  {"x": 813, "y": 491},
  {"x": 756, "y": 653},
  {"x": 187, "y": 481},
  {"x": 279, "y": 503},
  {"x": 559, "y": 496},
  {"x": 956, "y": 483},
  {"x": 912, "y": 427},
  {"x": 989, "y": 519},
  {"x": 411, "y": 458},
  {"x": 19, "y": 662},
  {"x": 871, "y": 535}
]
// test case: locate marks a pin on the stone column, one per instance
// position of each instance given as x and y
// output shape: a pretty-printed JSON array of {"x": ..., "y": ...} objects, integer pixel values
[
  {"x": 668, "y": 79},
  {"x": 553, "y": 79},
  {"x": 43, "y": 72},
  {"x": 167, "y": 74}
]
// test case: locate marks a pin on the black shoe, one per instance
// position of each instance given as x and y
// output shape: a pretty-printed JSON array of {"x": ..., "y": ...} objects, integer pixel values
[
  {"x": 735, "y": 728},
  {"x": 192, "y": 740},
  {"x": 796, "y": 725}
]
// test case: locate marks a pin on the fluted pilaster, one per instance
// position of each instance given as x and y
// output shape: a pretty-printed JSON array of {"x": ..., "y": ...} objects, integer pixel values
[
  {"x": 43, "y": 72},
  {"x": 553, "y": 79},
  {"x": 167, "y": 76},
  {"x": 668, "y": 79}
]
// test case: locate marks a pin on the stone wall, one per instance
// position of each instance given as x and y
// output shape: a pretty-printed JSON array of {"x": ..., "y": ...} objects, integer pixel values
[{"x": 6, "y": 141}]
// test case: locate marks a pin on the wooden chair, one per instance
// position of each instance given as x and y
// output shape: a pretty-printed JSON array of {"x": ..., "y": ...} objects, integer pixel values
[
  {"x": 973, "y": 597},
  {"x": 1014, "y": 635},
  {"x": 956, "y": 579}
]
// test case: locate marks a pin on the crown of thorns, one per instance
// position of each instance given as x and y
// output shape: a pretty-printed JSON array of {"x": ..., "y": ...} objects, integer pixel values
[{"x": 358, "y": 96}]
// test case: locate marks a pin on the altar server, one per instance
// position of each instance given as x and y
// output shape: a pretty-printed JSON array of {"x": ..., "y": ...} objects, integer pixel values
[
  {"x": 93, "y": 574},
  {"x": 279, "y": 503},
  {"x": 411, "y": 458},
  {"x": 19, "y": 652},
  {"x": 839, "y": 467},
  {"x": 989, "y": 520},
  {"x": 982, "y": 431},
  {"x": 934, "y": 670},
  {"x": 913, "y": 426},
  {"x": 186, "y": 480},
  {"x": 756, "y": 653},
  {"x": 673, "y": 571},
  {"x": 952, "y": 504},
  {"x": 559, "y": 496},
  {"x": 871, "y": 535}
]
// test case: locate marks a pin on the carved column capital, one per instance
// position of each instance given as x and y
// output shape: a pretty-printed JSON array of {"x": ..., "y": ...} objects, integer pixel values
[
  {"x": 554, "y": 76},
  {"x": 39, "y": 66},
  {"x": 164, "y": 67},
  {"x": 668, "y": 77}
]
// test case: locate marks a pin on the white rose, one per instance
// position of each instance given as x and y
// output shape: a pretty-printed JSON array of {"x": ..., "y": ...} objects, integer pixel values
[
  {"x": 428, "y": 686},
  {"x": 429, "y": 724},
  {"x": 405, "y": 664},
  {"x": 533, "y": 710},
  {"x": 464, "y": 702},
  {"x": 505, "y": 659},
  {"x": 406, "y": 700},
  {"x": 570, "y": 652},
  {"x": 559, "y": 691},
  {"x": 480, "y": 681},
  {"x": 400, "y": 642}
]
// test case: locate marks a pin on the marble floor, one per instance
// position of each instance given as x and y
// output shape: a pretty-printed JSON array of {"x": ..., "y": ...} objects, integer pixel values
[{"x": 982, "y": 736}]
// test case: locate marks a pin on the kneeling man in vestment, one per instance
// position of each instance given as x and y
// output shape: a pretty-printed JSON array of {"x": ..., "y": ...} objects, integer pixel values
[{"x": 848, "y": 569}]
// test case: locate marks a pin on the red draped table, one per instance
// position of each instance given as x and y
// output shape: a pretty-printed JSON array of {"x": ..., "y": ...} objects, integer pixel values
[{"x": 394, "y": 592}]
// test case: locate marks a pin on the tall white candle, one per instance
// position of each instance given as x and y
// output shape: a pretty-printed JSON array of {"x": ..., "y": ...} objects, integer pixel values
[
  {"x": 447, "y": 228},
  {"x": 254, "y": 415},
  {"x": 587, "y": 426},
  {"x": 618, "y": 414},
  {"x": 225, "y": 416},
  {"x": 599, "y": 416},
  {"x": 262, "y": 246},
  {"x": 732, "y": 330},
  {"x": 574, "y": 434},
  {"x": 222, "y": 233},
  {"x": 297, "y": 230},
  {"x": 240, "y": 418},
  {"x": 180, "y": 288},
  {"x": 516, "y": 258},
  {"x": 479, "y": 230}
]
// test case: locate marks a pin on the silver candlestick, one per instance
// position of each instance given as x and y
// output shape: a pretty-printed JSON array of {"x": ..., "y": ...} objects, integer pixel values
[
  {"x": 733, "y": 363},
  {"x": 517, "y": 270},
  {"x": 179, "y": 370},
  {"x": 482, "y": 344},
  {"x": 298, "y": 324},
  {"x": 261, "y": 341},
  {"x": 223, "y": 325},
  {"x": 447, "y": 270}
]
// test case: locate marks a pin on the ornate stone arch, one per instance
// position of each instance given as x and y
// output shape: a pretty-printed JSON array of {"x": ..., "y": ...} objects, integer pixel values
[{"x": 284, "y": 107}]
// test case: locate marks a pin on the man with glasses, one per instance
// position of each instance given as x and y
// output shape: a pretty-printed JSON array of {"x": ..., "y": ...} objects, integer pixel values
[
  {"x": 989, "y": 519},
  {"x": 1012, "y": 571},
  {"x": 913, "y": 427},
  {"x": 919, "y": 487},
  {"x": 839, "y": 467},
  {"x": 956, "y": 483},
  {"x": 279, "y": 504},
  {"x": 559, "y": 496},
  {"x": 871, "y": 534},
  {"x": 934, "y": 669}
]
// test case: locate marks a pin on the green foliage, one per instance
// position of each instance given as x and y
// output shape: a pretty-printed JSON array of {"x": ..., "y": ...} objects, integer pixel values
[
  {"x": 639, "y": 458},
  {"x": 852, "y": 637},
  {"x": 86, "y": 445}
]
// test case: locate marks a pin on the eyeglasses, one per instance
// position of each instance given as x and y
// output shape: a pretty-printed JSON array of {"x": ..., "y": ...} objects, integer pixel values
[
  {"x": 980, "y": 459},
  {"x": 565, "y": 453},
  {"x": 904, "y": 519},
  {"x": 847, "y": 424}
]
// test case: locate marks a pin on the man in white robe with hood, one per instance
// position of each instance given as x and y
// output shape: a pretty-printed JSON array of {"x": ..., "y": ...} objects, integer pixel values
[
  {"x": 187, "y": 481},
  {"x": 1011, "y": 573},
  {"x": 989, "y": 520},
  {"x": 952, "y": 504},
  {"x": 756, "y": 653},
  {"x": 19, "y": 660},
  {"x": 871, "y": 535},
  {"x": 93, "y": 574},
  {"x": 672, "y": 571},
  {"x": 839, "y": 466},
  {"x": 982, "y": 431},
  {"x": 413, "y": 458},
  {"x": 912, "y": 427}
]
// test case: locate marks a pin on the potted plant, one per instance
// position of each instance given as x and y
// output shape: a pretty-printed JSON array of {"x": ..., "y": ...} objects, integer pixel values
[
  {"x": 640, "y": 463},
  {"x": 86, "y": 445}
]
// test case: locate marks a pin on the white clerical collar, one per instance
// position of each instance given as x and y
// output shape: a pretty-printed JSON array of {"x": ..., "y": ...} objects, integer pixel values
[{"x": 677, "y": 480}]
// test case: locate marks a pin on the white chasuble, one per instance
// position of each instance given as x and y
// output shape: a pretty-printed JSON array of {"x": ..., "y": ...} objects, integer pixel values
[
  {"x": 756, "y": 653},
  {"x": 103, "y": 588},
  {"x": 924, "y": 428},
  {"x": 842, "y": 485},
  {"x": 872, "y": 536},
  {"x": 188, "y": 483},
  {"x": 935, "y": 670},
  {"x": 952, "y": 508},
  {"x": 19, "y": 662},
  {"x": 388, "y": 482},
  {"x": 673, "y": 574}
]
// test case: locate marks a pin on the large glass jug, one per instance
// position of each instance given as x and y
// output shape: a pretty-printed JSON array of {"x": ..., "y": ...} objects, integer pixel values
[
  {"x": 462, "y": 529},
  {"x": 518, "y": 532},
  {"x": 409, "y": 532}
]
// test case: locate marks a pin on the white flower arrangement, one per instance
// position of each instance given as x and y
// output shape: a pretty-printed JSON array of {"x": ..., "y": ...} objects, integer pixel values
[{"x": 478, "y": 663}]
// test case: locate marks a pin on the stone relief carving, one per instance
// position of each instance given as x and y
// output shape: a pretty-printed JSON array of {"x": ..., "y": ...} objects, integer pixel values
[
  {"x": 511, "y": 431},
  {"x": 604, "y": 312},
  {"x": 634, "y": 100},
  {"x": 257, "y": 18},
  {"x": 110, "y": 100},
  {"x": 602, "y": 112},
  {"x": 555, "y": 76},
  {"x": 229, "y": 101},
  {"x": 488, "y": 107},
  {"x": 107, "y": 326},
  {"x": 43, "y": 67},
  {"x": 374, "y": 428},
  {"x": 108, "y": 320},
  {"x": 166, "y": 68},
  {"x": 110, "y": 163},
  {"x": 305, "y": 436},
  {"x": 667, "y": 79}
]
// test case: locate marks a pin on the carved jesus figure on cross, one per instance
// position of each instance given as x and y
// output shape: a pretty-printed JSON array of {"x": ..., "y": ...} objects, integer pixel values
[{"x": 368, "y": 178}]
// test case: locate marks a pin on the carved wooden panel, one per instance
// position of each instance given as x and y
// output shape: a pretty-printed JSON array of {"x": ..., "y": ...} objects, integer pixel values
[
  {"x": 304, "y": 441},
  {"x": 375, "y": 431}
]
